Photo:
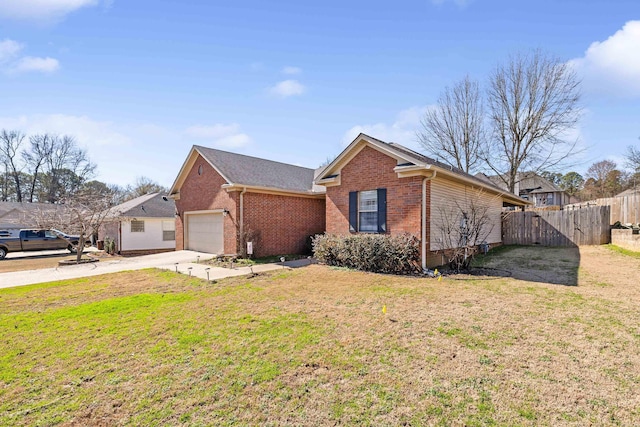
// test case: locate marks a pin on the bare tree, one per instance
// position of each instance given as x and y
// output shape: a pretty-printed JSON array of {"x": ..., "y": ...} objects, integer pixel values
[
  {"x": 40, "y": 149},
  {"x": 453, "y": 130},
  {"x": 633, "y": 158},
  {"x": 604, "y": 180},
  {"x": 10, "y": 143},
  {"x": 533, "y": 102},
  {"x": 67, "y": 167},
  {"x": 81, "y": 213},
  {"x": 142, "y": 186}
]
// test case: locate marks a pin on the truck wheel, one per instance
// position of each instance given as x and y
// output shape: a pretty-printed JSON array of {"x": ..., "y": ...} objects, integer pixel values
[
  {"x": 73, "y": 248},
  {"x": 3, "y": 253}
]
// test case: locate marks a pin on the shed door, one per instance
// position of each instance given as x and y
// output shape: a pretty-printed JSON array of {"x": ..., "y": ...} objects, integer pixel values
[{"x": 205, "y": 233}]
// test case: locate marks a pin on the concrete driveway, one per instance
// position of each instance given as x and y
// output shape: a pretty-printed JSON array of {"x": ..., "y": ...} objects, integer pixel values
[
  {"x": 33, "y": 254},
  {"x": 182, "y": 261}
]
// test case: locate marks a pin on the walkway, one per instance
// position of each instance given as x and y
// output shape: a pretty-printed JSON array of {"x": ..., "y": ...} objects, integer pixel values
[{"x": 185, "y": 262}]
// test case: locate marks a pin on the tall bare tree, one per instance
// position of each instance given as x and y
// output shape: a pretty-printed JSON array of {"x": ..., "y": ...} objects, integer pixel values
[
  {"x": 604, "y": 180},
  {"x": 142, "y": 186},
  {"x": 633, "y": 158},
  {"x": 40, "y": 149},
  {"x": 533, "y": 101},
  {"x": 10, "y": 143},
  {"x": 453, "y": 130},
  {"x": 67, "y": 167}
]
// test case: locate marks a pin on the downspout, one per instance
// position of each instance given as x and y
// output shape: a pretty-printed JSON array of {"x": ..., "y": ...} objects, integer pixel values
[
  {"x": 423, "y": 239},
  {"x": 241, "y": 219}
]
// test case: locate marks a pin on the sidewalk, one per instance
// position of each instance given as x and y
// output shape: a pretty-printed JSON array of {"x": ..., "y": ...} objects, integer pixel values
[{"x": 184, "y": 262}]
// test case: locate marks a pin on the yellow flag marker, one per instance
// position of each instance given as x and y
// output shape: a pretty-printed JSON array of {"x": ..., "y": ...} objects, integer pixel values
[{"x": 384, "y": 309}]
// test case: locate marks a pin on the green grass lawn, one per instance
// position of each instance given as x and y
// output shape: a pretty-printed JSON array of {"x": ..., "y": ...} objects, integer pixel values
[{"x": 312, "y": 347}]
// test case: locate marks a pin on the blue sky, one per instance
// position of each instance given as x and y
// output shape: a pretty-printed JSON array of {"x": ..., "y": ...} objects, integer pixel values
[{"x": 138, "y": 82}]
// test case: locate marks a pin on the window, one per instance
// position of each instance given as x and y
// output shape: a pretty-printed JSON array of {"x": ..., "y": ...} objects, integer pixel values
[
  {"x": 137, "y": 226},
  {"x": 368, "y": 211},
  {"x": 168, "y": 230}
]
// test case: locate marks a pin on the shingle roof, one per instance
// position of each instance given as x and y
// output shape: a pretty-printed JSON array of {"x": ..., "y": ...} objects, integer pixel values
[
  {"x": 23, "y": 212},
  {"x": 253, "y": 171},
  {"x": 149, "y": 205},
  {"x": 428, "y": 160},
  {"x": 529, "y": 182}
]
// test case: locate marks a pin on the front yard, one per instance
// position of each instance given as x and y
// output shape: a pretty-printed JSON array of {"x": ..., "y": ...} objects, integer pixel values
[{"x": 554, "y": 344}]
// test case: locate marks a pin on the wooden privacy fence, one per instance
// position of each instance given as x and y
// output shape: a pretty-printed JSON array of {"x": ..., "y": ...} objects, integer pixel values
[
  {"x": 586, "y": 226},
  {"x": 625, "y": 209}
]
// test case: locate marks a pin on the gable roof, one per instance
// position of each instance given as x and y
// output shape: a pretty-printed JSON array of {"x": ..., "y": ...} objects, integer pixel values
[
  {"x": 24, "y": 212},
  {"x": 528, "y": 182},
  {"x": 150, "y": 206},
  {"x": 410, "y": 163},
  {"x": 247, "y": 171}
]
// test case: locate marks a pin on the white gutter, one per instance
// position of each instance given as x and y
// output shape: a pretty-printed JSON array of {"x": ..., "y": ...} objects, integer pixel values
[
  {"x": 423, "y": 239},
  {"x": 241, "y": 219}
]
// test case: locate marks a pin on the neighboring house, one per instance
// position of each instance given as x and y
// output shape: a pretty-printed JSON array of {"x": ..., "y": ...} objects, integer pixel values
[
  {"x": 534, "y": 188},
  {"x": 16, "y": 215},
  {"x": 142, "y": 225},
  {"x": 379, "y": 187},
  {"x": 224, "y": 200},
  {"x": 629, "y": 192}
]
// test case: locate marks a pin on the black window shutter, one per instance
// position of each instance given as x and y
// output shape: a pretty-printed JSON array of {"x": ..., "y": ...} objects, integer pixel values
[
  {"x": 353, "y": 211},
  {"x": 382, "y": 210}
]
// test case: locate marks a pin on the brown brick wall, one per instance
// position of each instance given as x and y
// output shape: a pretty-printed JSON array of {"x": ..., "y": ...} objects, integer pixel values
[
  {"x": 281, "y": 224},
  {"x": 140, "y": 252},
  {"x": 203, "y": 192},
  {"x": 368, "y": 170}
]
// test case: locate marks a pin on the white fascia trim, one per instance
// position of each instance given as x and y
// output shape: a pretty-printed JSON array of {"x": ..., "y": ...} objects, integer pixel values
[
  {"x": 352, "y": 149},
  {"x": 270, "y": 190},
  {"x": 412, "y": 170}
]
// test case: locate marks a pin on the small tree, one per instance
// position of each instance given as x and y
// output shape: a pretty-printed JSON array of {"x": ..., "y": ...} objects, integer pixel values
[
  {"x": 461, "y": 227},
  {"x": 82, "y": 213}
]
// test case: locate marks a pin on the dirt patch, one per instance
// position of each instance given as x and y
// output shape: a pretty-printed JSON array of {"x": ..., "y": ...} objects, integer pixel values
[
  {"x": 37, "y": 262},
  {"x": 537, "y": 264}
]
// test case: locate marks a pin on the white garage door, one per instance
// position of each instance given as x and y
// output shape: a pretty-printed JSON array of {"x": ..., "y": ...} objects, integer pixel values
[{"x": 205, "y": 233}]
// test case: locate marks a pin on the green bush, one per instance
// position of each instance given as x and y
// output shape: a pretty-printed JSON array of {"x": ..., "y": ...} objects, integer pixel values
[{"x": 379, "y": 253}]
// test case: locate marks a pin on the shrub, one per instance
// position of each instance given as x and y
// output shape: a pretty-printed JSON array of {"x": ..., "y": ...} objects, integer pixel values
[{"x": 379, "y": 253}]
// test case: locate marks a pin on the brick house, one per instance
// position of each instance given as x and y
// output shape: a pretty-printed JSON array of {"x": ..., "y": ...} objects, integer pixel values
[
  {"x": 224, "y": 200},
  {"x": 379, "y": 187}
]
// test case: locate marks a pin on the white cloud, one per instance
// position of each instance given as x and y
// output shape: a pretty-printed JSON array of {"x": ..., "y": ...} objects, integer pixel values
[
  {"x": 291, "y": 70},
  {"x": 287, "y": 88},
  {"x": 30, "y": 63},
  {"x": 613, "y": 66},
  {"x": 460, "y": 3},
  {"x": 9, "y": 49},
  {"x": 43, "y": 10},
  {"x": 12, "y": 63},
  {"x": 220, "y": 135},
  {"x": 86, "y": 131},
  {"x": 402, "y": 130}
]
